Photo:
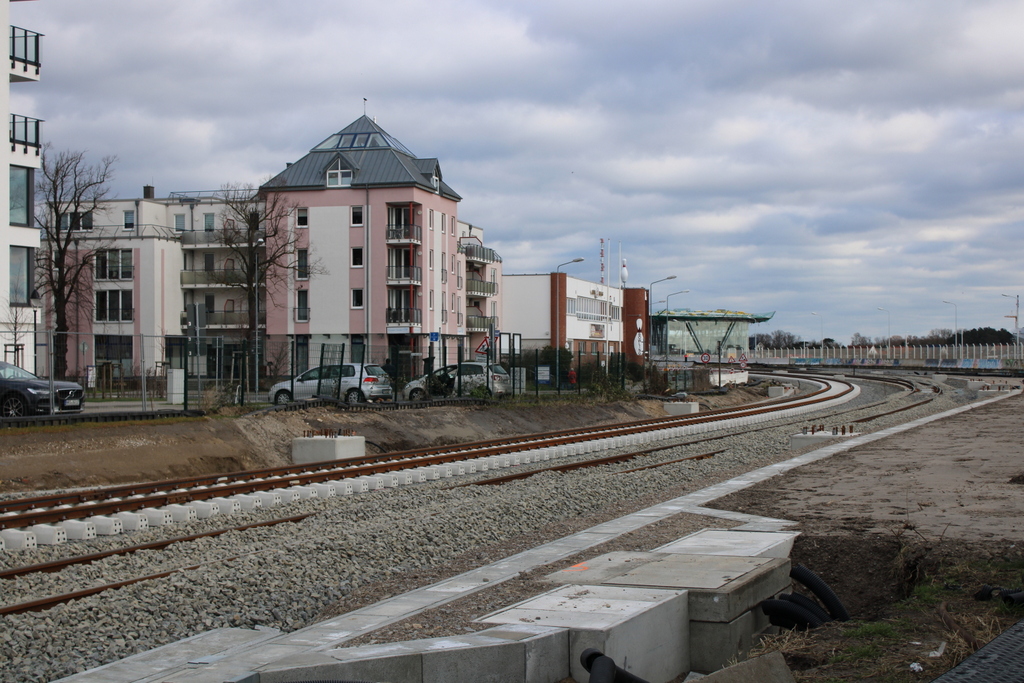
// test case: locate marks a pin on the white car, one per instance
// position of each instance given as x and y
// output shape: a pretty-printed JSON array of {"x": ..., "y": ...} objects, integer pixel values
[
  {"x": 444, "y": 382},
  {"x": 358, "y": 383}
]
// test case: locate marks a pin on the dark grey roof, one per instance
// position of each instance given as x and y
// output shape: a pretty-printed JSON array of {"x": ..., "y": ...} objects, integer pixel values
[{"x": 374, "y": 157}]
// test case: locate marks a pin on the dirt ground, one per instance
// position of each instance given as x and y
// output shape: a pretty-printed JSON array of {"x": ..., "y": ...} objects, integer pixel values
[
  {"x": 97, "y": 454},
  {"x": 898, "y": 527}
]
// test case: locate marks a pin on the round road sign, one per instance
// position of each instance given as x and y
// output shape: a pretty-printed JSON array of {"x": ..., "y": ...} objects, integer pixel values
[{"x": 705, "y": 358}]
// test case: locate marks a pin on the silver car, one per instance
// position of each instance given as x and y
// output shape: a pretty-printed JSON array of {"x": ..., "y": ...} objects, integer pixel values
[
  {"x": 445, "y": 381},
  {"x": 358, "y": 383}
]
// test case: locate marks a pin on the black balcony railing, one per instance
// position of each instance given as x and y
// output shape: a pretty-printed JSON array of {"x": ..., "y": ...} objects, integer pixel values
[
  {"x": 25, "y": 132},
  {"x": 235, "y": 318},
  {"x": 115, "y": 315},
  {"x": 481, "y": 287},
  {"x": 217, "y": 276},
  {"x": 405, "y": 233},
  {"x": 405, "y": 273},
  {"x": 474, "y": 252},
  {"x": 405, "y": 316},
  {"x": 25, "y": 46}
]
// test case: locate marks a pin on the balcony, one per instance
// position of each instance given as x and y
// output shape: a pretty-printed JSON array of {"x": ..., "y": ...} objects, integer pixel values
[
  {"x": 217, "y": 277},
  {"x": 25, "y": 133},
  {"x": 405, "y": 316},
  {"x": 477, "y": 254},
  {"x": 405, "y": 275},
  {"x": 238, "y": 320},
  {"x": 207, "y": 238},
  {"x": 24, "y": 55},
  {"x": 481, "y": 287},
  {"x": 405, "y": 234},
  {"x": 481, "y": 323}
]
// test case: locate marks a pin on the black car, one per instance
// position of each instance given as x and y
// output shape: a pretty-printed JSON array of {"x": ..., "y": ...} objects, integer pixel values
[{"x": 22, "y": 393}]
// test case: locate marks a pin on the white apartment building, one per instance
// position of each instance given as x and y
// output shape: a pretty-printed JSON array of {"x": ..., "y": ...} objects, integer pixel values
[{"x": 18, "y": 236}]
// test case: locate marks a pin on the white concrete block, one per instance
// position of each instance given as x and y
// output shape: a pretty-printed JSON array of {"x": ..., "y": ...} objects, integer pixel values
[
  {"x": 157, "y": 516},
  {"x": 390, "y": 480},
  {"x": 79, "y": 529},
  {"x": 182, "y": 513},
  {"x": 324, "y": 490},
  {"x": 269, "y": 498},
  {"x": 18, "y": 539},
  {"x": 644, "y": 630},
  {"x": 48, "y": 534},
  {"x": 107, "y": 526},
  {"x": 343, "y": 487},
  {"x": 248, "y": 501},
  {"x": 205, "y": 508},
  {"x": 682, "y": 408},
  {"x": 228, "y": 506},
  {"x": 321, "y": 448},
  {"x": 733, "y": 543},
  {"x": 360, "y": 484},
  {"x": 133, "y": 521}
]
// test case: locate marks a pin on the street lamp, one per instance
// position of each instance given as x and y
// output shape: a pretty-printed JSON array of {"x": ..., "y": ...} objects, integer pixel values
[
  {"x": 684, "y": 291},
  {"x": 558, "y": 315},
  {"x": 1016, "y": 324},
  {"x": 650, "y": 291},
  {"x": 955, "y": 327},
  {"x": 253, "y": 263},
  {"x": 888, "y": 334},
  {"x": 821, "y": 320}
]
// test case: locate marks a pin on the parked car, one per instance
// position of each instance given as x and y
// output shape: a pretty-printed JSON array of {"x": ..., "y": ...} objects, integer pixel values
[
  {"x": 358, "y": 383},
  {"x": 445, "y": 381},
  {"x": 22, "y": 393}
]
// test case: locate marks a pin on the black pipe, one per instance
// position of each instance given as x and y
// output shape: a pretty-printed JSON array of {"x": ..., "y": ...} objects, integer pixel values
[
  {"x": 808, "y": 604},
  {"x": 822, "y": 591},
  {"x": 602, "y": 669},
  {"x": 791, "y": 611}
]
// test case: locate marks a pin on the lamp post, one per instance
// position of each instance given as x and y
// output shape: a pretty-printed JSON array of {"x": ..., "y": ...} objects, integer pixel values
[
  {"x": 557, "y": 342},
  {"x": 956, "y": 348},
  {"x": 684, "y": 291},
  {"x": 888, "y": 331},
  {"x": 821, "y": 321},
  {"x": 254, "y": 255},
  {"x": 650, "y": 290},
  {"x": 1016, "y": 324}
]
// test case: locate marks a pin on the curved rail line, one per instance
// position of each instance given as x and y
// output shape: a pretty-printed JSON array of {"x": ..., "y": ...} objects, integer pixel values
[{"x": 27, "y": 512}]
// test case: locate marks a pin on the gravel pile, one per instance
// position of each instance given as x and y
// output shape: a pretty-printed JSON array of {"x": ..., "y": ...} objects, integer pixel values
[{"x": 286, "y": 575}]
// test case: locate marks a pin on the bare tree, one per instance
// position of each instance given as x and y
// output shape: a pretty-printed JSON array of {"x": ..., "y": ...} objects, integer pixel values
[
  {"x": 19, "y": 324},
  {"x": 255, "y": 230},
  {"x": 69, "y": 192}
]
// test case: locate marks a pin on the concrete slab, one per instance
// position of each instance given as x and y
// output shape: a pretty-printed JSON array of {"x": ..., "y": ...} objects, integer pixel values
[
  {"x": 159, "y": 660},
  {"x": 646, "y": 630},
  {"x": 805, "y": 440},
  {"x": 320, "y": 448},
  {"x": 714, "y": 644},
  {"x": 720, "y": 587},
  {"x": 681, "y": 407},
  {"x": 734, "y": 543},
  {"x": 770, "y": 668}
]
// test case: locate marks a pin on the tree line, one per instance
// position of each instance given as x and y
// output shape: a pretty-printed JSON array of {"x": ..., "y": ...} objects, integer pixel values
[{"x": 780, "y": 339}]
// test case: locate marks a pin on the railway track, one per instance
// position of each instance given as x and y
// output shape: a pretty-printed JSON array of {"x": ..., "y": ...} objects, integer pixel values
[{"x": 58, "y": 565}]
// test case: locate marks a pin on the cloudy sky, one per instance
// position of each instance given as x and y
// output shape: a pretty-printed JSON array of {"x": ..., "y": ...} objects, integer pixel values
[{"x": 789, "y": 156}]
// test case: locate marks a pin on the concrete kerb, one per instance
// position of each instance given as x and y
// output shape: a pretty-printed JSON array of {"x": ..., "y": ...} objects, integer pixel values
[{"x": 334, "y": 632}]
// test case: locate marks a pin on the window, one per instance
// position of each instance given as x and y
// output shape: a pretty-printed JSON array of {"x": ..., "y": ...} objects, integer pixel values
[
  {"x": 208, "y": 262},
  {"x": 357, "y": 215},
  {"x": 179, "y": 221},
  {"x": 74, "y": 220},
  {"x": 302, "y": 306},
  {"x": 431, "y": 259},
  {"x": 302, "y": 218},
  {"x": 444, "y": 222},
  {"x": 114, "y": 264},
  {"x": 431, "y": 217},
  {"x": 357, "y": 298},
  {"x": 208, "y": 222},
  {"x": 129, "y": 219},
  {"x": 22, "y": 260},
  {"x": 113, "y": 348},
  {"x": 431, "y": 299},
  {"x": 339, "y": 178},
  {"x": 357, "y": 257},
  {"x": 453, "y": 225},
  {"x": 21, "y": 194},
  {"x": 211, "y": 303},
  {"x": 302, "y": 264},
  {"x": 114, "y": 306}
]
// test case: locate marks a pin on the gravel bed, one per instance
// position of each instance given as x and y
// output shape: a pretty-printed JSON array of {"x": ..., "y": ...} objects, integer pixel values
[{"x": 357, "y": 550}]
